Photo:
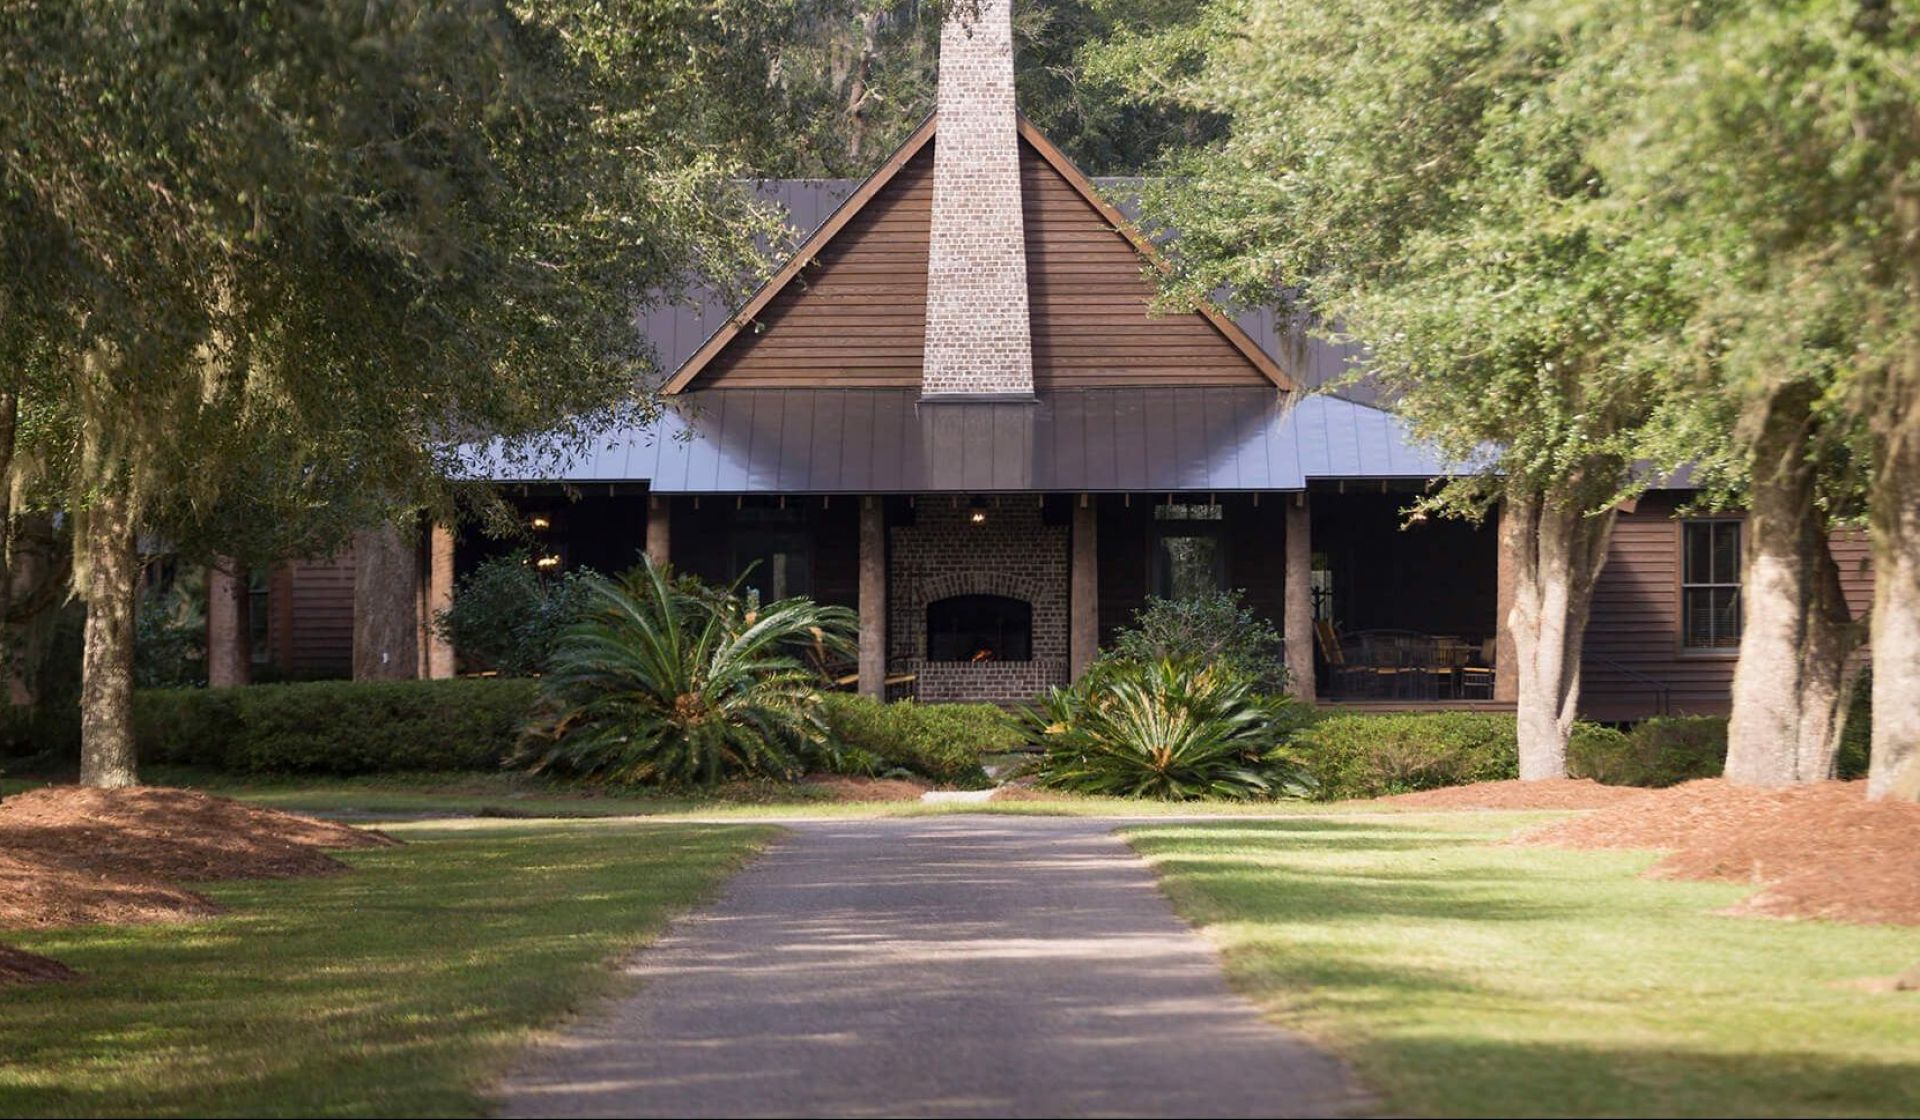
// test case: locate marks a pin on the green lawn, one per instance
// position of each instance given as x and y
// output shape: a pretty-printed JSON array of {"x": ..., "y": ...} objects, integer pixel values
[
  {"x": 1466, "y": 978},
  {"x": 511, "y": 795},
  {"x": 396, "y": 990}
]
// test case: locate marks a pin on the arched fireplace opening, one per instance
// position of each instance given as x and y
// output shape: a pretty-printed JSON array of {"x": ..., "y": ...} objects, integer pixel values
[{"x": 979, "y": 628}]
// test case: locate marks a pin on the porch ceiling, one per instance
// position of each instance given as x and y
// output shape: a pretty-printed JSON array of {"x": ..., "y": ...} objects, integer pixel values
[{"x": 874, "y": 441}]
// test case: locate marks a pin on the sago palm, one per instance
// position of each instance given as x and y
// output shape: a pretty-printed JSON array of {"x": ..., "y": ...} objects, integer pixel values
[
  {"x": 669, "y": 681},
  {"x": 1168, "y": 729}
]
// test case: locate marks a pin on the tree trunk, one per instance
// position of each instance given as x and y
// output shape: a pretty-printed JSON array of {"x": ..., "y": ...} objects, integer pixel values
[
  {"x": 106, "y": 667},
  {"x": 386, "y": 605},
  {"x": 1894, "y": 508},
  {"x": 229, "y": 624},
  {"x": 1556, "y": 550},
  {"x": 1791, "y": 684}
]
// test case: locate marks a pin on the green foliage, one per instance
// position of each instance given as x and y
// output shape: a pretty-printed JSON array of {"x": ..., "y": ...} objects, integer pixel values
[
  {"x": 1418, "y": 178},
  {"x": 943, "y": 742},
  {"x": 1218, "y": 629},
  {"x": 170, "y": 639},
  {"x": 1856, "y": 740},
  {"x": 508, "y": 617},
  {"x": 1375, "y": 754},
  {"x": 334, "y": 727},
  {"x": 1655, "y": 752},
  {"x": 669, "y": 681},
  {"x": 1176, "y": 730}
]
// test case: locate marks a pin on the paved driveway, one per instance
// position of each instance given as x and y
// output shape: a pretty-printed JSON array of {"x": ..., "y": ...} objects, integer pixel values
[{"x": 945, "y": 966}]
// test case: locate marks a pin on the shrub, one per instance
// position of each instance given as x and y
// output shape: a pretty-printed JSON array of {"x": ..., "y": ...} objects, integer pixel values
[
  {"x": 943, "y": 742},
  {"x": 334, "y": 727},
  {"x": 1215, "y": 629},
  {"x": 170, "y": 640},
  {"x": 508, "y": 617},
  {"x": 668, "y": 681},
  {"x": 1856, "y": 739},
  {"x": 1178, "y": 730},
  {"x": 1656, "y": 752},
  {"x": 1374, "y": 754}
]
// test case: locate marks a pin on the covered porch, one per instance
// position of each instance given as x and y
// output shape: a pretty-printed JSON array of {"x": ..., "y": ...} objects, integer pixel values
[{"x": 995, "y": 596}]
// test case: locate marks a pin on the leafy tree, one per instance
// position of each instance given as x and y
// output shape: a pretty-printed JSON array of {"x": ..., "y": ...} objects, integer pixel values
[
  {"x": 1779, "y": 159},
  {"x": 264, "y": 257},
  {"x": 1415, "y": 175}
]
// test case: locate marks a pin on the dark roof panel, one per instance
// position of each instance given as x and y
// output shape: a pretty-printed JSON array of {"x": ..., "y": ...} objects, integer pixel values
[{"x": 827, "y": 441}]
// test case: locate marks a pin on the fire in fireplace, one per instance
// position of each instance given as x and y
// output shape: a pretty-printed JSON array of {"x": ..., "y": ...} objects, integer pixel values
[{"x": 979, "y": 628}]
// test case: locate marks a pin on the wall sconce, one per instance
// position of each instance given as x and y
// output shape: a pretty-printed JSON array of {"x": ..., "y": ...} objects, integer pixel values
[
  {"x": 977, "y": 511},
  {"x": 540, "y": 523},
  {"x": 548, "y": 562}
]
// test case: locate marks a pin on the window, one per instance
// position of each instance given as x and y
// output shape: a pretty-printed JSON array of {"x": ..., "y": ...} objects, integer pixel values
[
  {"x": 770, "y": 550},
  {"x": 1710, "y": 584},
  {"x": 1190, "y": 554}
]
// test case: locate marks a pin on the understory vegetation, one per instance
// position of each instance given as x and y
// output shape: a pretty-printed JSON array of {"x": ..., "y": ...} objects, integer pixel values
[{"x": 669, "y": 681}]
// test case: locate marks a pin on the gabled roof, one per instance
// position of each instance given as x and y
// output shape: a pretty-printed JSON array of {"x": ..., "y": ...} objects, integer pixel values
[{"x": 850, "y": 321}]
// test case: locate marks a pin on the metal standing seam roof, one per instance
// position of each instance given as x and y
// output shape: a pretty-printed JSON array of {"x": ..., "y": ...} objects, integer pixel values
[{"x": 877, "y": 441}]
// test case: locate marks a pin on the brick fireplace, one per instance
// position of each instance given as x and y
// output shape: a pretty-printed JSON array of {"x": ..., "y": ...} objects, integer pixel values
[{"x": 946, "y": 568}]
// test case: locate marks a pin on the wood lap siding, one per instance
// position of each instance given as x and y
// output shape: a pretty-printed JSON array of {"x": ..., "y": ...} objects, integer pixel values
[
  {"x": 857, "y": 316},
  {"x": 1089, "y": 300},
  {"x": 318, "y": 617},
  {"x": 1635, "y": 623}
]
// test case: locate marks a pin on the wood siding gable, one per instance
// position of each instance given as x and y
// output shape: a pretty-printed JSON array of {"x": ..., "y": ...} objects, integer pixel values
[
  {"x": 848, "y": 310},
  {"x": 1091, "y": 295}
]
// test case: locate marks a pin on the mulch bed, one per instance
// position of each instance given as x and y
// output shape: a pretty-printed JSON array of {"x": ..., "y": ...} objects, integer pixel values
[
  {"x": 73, "y": 856},
  {"x": 20, "y": 967},
  {"x": 1815, "y": 851},
  {"x": 837, "y": 788},
  {"x": 1565, "y": 793}
]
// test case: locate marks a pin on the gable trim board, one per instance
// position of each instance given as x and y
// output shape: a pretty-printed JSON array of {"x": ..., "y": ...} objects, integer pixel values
[{"x": 1077, "y": 312}]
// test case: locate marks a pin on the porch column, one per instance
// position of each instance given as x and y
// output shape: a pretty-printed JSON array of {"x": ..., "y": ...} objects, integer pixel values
[
  {"x": 229, "y": 629},
  {"x": 873, "y": 598},
  {"x": 1296, "y": 625},
  {"x": 1506, "y": 656},
  {"x": 1083, "y": 599},
  {"x": 659, "y": 529},
  {"x": 439, "y": 599}
]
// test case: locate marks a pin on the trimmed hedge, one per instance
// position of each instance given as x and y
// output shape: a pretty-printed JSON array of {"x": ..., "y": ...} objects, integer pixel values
[
  {"x": 335, "y": 727},
  {"x": 1656, "y": 753},
  {"x": 943, "y": 742},
  {"x": 1378, "y": 753}
]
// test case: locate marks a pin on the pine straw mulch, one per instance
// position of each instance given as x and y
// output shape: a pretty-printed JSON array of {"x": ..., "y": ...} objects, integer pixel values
[
  {"x": 74, "y": 856},
  {"x": 20, "y": 967},
  {"x": 1564, "y": 793},
  {"x": 1815, "y": 851},
  {"x": 838, "y": 788}
]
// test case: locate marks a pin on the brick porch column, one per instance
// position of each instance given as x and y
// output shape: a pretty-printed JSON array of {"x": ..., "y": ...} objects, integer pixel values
[
  {"x": 1296, "y": 624},
  {"x": 659, "y": 529},
  {"x": 873, "y": 598},
  {"x": 1083, "y": 598},
  {"x": 1506, "y": 657},
  {"x": 229, "y": 625},
  {"x": 439, "y": 598}
]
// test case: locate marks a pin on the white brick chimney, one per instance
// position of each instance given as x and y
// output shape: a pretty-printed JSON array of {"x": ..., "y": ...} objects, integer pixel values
[{"x": 979, "y": 336}]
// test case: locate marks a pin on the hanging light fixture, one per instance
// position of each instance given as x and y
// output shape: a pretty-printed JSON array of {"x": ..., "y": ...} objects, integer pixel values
[{"x": 977, "y": 511}]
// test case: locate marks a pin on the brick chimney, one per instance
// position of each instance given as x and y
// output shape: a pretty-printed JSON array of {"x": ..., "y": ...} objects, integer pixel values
[{"x": 979, "y": 336}]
